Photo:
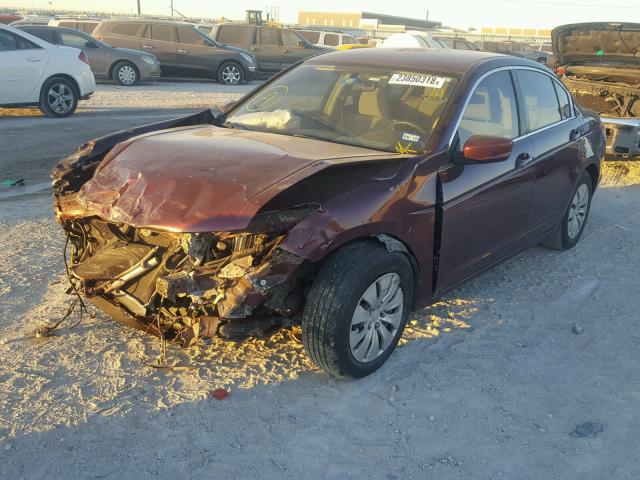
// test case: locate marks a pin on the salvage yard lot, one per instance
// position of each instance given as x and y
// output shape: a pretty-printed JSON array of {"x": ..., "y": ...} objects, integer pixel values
[{"x": 491, "y": 382}]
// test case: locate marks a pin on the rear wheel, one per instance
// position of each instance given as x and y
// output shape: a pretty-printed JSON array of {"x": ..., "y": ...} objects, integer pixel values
[
  {"x": 125, "y": 73},
  {"x": 568, "y": 232},
  {"x": 230, "y": 73},
  {"x": 58, "y": 97},
  {"x": 357, "y": 309}
]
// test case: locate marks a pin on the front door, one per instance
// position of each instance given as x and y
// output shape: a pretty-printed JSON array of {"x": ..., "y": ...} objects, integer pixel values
[
  {"x": 99, "y": 59},
  {"x": 484, "y": 206},
  {"x": 196, "y": 55},
  {"x": 22, "y": 66}
]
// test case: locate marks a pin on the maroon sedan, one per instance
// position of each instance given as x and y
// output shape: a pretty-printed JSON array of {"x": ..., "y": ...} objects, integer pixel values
[{"x": 340, "y": 195}]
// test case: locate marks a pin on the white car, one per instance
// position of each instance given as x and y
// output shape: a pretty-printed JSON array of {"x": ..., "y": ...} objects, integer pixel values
[
  {"x": 37, "y": 73},
  {"x": 412, "y": 39},
  {"x": 328, "y": 39}
]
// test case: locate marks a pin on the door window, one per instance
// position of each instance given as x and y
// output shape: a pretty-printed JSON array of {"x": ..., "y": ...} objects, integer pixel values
[
  {"x": 269, "y": 36},
  {"x": 331, "y": 39},
  {"x": 7, "y": 41},
  {"x": 72, "y": 40},
  {"x": 289, "y": 38},
  {"x": 235, "y": 35},
  {"x": 190, "y": 37},
  {"x": 540, "y": 100},
  {"x": 565, "y": 102},
  {"x": 164, "y": 33},
  {"x": 311, "y": 37},
  {"x": 128, "y": 29},
  {"x": 492, "y": 110}
]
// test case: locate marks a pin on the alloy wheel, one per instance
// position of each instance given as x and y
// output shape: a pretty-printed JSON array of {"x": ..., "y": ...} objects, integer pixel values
[
  {"x": 231, "y": 75},
  {"x": 376, "y": 319},
  {"x": 60, "y": 98},
  {"x": 578, "y": 211}
]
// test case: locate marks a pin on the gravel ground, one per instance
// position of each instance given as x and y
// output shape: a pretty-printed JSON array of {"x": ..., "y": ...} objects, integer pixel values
[{"x": 526, "y": 372}]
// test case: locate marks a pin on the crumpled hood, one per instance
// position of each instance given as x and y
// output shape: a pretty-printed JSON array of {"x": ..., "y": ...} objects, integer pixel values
[
  {"x": 205, "y": 178},
  {"x": 597, "y": 42}
]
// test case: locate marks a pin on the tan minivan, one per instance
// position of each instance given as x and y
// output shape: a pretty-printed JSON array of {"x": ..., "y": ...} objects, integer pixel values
[{"x": 181, "y": 49}]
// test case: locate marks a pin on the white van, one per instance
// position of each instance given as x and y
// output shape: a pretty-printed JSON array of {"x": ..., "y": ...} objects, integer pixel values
[{"x": 328, "y": 39}]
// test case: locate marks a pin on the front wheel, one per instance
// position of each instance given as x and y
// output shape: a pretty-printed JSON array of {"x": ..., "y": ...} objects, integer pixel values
[
  {"x": 230, "y": 73},
  {"x": 357, "y": 309},
  {"x": 568, "y": 232},
  {"x": 58, "y": 98},
  {"x": 125, "y": 73}
]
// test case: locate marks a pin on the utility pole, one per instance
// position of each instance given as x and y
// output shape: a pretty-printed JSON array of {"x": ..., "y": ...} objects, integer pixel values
[
  {"x": 172, "y": 8},
  {"x": 139, "y": 12}
]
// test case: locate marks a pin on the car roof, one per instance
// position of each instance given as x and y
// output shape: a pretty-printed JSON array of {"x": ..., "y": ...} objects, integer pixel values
[
  {"x": 150, "y": 20},
  {"x": 454, "y": 62}
]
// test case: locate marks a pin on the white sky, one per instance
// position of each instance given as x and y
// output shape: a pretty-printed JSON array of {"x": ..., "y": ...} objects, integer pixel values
[{"x": 457, "y": 13}]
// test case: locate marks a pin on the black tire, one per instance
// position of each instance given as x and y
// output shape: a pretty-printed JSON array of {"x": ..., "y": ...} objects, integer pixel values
[
  {"x": 125, "y": 73},
  {"x": 334, "y": 296},
  {"x": 230, "y": 73},
  {"x": 62, "y": 90},
  {"x": 560, "y": 238}
]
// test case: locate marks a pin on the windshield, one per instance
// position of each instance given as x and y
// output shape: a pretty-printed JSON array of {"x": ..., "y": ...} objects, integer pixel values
[{"x": 394, "y": 111}]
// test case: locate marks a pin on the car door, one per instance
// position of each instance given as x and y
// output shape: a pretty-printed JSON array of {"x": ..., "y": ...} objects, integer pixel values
[
  {"x": 23, "y": 64},
  {"x": 196, "y": 54},
  {"x": 294, "y": 48},
  {"x": 555, "y": 130},
  {"x": 484, "y": 205},
  {"x": 160, "y": 40},
  {"x": 267, "y": 49},
  {"x": 99, "y": 58}
]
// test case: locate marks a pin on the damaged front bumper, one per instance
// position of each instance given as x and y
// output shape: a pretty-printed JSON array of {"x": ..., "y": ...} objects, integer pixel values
[
  {"x": 183, "y": 286},
  {"x": 623, "y": 137}
]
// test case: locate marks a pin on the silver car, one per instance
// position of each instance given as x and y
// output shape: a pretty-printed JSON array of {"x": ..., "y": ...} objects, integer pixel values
[{"x": 125, "y": 66}]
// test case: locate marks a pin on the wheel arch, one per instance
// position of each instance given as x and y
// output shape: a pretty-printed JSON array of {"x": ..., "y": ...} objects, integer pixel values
[
  {"x": 71, "y": 80},
  {"x": 594, "y": 171}
]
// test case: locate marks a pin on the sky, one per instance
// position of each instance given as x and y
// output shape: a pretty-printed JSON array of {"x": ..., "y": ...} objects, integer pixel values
[{"x": 456, "y": 13}]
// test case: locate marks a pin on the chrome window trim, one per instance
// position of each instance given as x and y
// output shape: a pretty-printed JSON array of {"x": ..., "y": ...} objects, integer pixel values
[{"x": 511, "y": 68}]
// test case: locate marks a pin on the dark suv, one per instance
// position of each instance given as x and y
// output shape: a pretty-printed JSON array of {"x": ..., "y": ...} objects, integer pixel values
[
  {"x": 181, "y": 49},
  {"x": 275, "y": 48}
]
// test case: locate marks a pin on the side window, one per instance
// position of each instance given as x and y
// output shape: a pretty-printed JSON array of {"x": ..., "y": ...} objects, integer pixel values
[
  {"x": 190, "y": 37},
  {"x": 7, "y": 41},
  {"x": 461, "y": 45},
  {"x": 73, "y": 25},
  {"x": 161, "y": 32},
  {"x": 331, "y": 39},
  {"x": 492, "y": 110},
  {"x": 565, "y": 102},
  {"x": 539, "y": 99},
  {"x": 268, "y": 36},
  {"x": 289, "y": 38},
  {"x": 24, "y": 44},
  {"x": 311, "y": 37},
  {"x": 234, "y": 35},
  {"x": 72, "y": 40},
  {"x": 128, "y": 29}
]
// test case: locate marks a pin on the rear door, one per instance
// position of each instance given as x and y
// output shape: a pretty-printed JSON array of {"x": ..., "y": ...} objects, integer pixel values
[
  {"x": 268, "y": 50},
  {"x": 484, "y": 206},
  {"x": 160, "y": 40},
  {"x": 558, "y": 141},
  {"x": 22, "y": 65}
]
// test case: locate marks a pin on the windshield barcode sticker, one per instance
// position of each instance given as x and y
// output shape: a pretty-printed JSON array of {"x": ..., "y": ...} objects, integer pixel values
[{"x": 417, "y": 80}]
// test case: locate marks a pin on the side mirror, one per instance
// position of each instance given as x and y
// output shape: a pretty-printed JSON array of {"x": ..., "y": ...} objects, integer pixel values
[
  {"x": 91, "y": 44},
  {"x": 487, "y": 149}
]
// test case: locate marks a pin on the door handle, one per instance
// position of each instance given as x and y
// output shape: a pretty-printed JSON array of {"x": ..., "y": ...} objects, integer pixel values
[
  {"x": 34, "y": 59},
  {"x": 523, "y": 159},
  {"x": 147, "y": 47},
  {"x": 183, "y": 51},
  {"x": 575, "y": 134}
]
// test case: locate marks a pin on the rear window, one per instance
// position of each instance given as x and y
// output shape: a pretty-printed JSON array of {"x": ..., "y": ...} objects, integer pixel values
[
  {"x": 41, "y": 33},
  {"x": 87, "y": 27},
  {"x": 331, "y": 39},
  {"x": 235, "y": 35},
  {"x": 269, "y": 36},
  {"x": 311, "y": 37},
  {"x": 128, "y": 29},
  {"x": 73, "y": 25}
]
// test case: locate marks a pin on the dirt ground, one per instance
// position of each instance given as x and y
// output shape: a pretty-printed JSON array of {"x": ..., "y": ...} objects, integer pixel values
[{"x": 529, "y": 371}]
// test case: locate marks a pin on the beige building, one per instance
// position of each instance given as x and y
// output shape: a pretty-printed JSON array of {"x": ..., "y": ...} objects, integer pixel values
[
  {"x": 525, "y": 32},
  {"x": 330, "y": 19}
]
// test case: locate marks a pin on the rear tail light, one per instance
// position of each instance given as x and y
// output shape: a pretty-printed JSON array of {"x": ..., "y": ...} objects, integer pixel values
[
  {"x": 560, "y": 71},
  {"x": 98, "y": 37},
  {"x": 83, "y": 57}
]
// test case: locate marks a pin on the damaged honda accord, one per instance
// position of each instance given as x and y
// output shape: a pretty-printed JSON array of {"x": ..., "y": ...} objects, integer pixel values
[{"x": 339, "y": 196}]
